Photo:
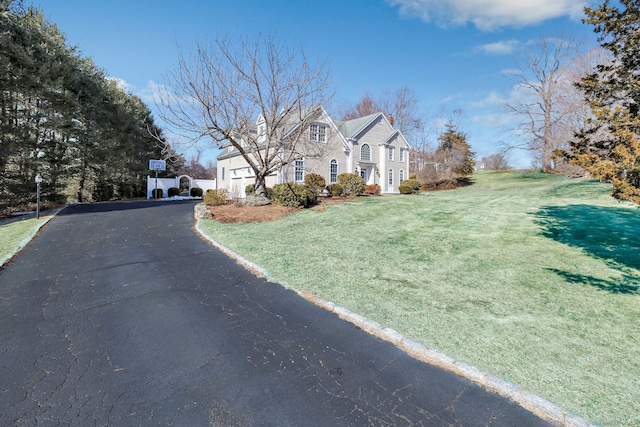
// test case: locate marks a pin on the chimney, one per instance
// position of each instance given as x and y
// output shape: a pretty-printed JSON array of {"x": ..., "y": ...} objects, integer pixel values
[{"x": 390, "y": 118}]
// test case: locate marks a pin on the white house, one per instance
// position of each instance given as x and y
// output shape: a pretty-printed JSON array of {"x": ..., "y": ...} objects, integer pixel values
[{"x": 368, "y": 146}]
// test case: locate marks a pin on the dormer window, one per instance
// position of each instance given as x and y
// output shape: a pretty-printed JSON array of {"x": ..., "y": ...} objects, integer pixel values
[{"x": 317, "y": 132}]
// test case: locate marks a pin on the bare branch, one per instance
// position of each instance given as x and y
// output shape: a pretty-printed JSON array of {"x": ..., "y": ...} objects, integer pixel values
[{"x": 225, "y": 87}]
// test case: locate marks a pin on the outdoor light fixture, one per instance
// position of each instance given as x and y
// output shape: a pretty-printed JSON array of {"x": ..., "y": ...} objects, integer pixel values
[{"x": 38, "y": 182}]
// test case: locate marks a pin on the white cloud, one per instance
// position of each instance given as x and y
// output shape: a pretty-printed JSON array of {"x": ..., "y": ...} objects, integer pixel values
[
  {"x": 505, "y": 47},
  {"x": 492, "y": 100},
  {"x": 151, "y": 93},
  {"x": 489, "y": 15}
]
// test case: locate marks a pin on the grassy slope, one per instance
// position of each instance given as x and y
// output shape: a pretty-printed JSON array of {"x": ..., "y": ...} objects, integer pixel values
[
  {"x": 531, "y": 277},
  {"x": 13, "y": 234}
]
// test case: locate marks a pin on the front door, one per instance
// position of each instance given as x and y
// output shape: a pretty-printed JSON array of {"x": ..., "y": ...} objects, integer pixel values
[{"x": 364, "y": 175}]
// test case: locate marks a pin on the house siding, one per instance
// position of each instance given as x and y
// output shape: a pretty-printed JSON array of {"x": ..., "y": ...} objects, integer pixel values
[{"x": 346, "y": 149}]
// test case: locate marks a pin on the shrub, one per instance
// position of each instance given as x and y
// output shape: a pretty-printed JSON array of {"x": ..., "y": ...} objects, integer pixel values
[
  {"x": 315, "y": 182},
  {"x": 373, "y": 189},
  {"x": 413, "y": 183},
  {"x": 250, "y": 189},
  {"x": 293, "y": 195},
  {"x": 215, "y": 197},
  {"x": 334, "y": 189},
  {"x": 405, "y": 189},
  {"x": 352, "y": 184},
  {"x": 173, "y": 191},
  {"x": 196, "y": 192},
  {"x": 157, "y": 193}
]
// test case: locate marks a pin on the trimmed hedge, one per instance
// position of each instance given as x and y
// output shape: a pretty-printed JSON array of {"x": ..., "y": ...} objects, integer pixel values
[
  {"x": 315, "y": 182},
  {"x": 173, "y": 191},
  {"x": 250, "y": 189},
  {"x": 352, "y": 184},
  {"x": 196, "y": 192},
  {"x": 413, "y": 184},
  {"x": 157, "y": 193},
  {"x": 373, "y": 189},
  {"x": 293, "y": 195},
  {"x": 405, "y": 189},
  {"x": 335, "y": 189},
  {"x": 215, "y": 197}
]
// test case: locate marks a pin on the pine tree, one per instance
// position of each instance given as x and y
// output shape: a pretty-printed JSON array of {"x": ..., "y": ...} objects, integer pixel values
[
  {"x": 609, "y": 146},
  {"x": 454, "y": 155}
]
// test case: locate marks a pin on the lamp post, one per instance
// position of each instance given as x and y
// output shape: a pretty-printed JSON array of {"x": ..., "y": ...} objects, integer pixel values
[{"x": 38, "y": 182}]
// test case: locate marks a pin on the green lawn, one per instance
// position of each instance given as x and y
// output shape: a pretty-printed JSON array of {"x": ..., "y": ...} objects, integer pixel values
[
  {"x": 534, "y": 278},
  {"x": 14, "y": 234}
]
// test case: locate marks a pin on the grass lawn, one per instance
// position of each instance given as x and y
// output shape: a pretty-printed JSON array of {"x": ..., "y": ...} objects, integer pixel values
[
  {"x": 532, "y": 277},
  {"x": 15, "y": 233}
]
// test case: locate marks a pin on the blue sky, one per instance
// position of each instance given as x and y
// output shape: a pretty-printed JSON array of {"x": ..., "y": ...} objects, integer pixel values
[{"x": 452, "y": 53}]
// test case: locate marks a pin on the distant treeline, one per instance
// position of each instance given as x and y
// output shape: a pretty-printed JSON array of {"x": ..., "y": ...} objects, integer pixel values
[{"x": 61, "y": 117}]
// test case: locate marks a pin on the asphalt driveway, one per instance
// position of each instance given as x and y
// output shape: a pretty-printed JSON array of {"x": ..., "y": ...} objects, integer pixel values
[{"x": 119, "y": 314}]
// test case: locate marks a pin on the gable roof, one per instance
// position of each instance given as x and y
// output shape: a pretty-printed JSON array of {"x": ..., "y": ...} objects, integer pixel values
[
  {"x": 396, "y": 132},
  {"x": 346, "y": 130},
  {"x": 351, "y": 128}
]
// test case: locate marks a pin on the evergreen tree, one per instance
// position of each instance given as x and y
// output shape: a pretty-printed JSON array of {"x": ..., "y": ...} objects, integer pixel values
[
  {"x": 61, "y": 117},
  {"x": 608, "y": 147},
  {"x": 454, "y": 157}
]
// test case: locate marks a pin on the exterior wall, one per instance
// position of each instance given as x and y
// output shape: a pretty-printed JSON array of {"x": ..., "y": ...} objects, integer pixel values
[
  {"x": 321, "y": 165},
  {"x": 373, "y": 135},
  {"x": 234, "y": 175},
  {"x": 166, "y": 183},
  {"x": 237, "y": 175}
]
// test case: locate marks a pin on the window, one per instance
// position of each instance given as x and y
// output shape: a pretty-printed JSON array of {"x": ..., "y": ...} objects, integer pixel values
[
  {"x": 222, "y": 173},
  {"x": 401, "y": 175},
  {"x": 390, "y": 177},
  {"x": 333, "y": 171},
  {"x": 402, "y": 154},
  {"x": 365, "y": 153},
  {"x": 317, "y": 132},
  {"x": 391, "y": 150},
  {"x": 299, "y": 171}
]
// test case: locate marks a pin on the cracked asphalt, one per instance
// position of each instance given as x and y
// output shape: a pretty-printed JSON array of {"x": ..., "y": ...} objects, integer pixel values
[{"x": 118, "y": 314}]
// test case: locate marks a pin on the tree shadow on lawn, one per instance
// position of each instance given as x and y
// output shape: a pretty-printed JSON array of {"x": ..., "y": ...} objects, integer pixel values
[{"x": 610, "y": 234}]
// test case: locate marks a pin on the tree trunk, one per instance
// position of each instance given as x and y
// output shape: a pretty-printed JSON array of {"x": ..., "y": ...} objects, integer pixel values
[{"x": 261, "y": 184}]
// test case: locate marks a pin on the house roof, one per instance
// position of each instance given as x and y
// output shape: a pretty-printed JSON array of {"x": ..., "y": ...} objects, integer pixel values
[
  {"x": 351, "y": 128},
  {"x": 347, "y": 129}
]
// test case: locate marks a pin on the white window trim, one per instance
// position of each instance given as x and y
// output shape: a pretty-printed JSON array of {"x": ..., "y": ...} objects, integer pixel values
[
  {"x": 391, "y": 153},
  {"x": 368, "y": 152},
  {"x": 320, "y": 131},
  {"x": 390, "y": 177},
  {"x": 402, "y": 154},
  {"x": 295, "y": 171},
  {"x": 331, "y": 163}
]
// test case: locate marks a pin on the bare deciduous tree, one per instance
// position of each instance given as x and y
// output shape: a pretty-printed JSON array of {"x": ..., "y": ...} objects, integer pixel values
[
  {"x": 221, "y": 91},
  {"x": 495, "y": 162},
  {"x": 545, "y": 98},
  {"x": 402, "y": 105},
  {"x": 363, "y": 108}
]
